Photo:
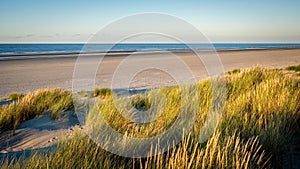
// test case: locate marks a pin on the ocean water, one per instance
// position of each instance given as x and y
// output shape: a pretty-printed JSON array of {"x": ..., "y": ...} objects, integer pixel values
[{"x": 53, "y": 48}]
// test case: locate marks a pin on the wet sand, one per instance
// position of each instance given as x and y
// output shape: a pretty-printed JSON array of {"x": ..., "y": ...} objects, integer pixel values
[{"x": 29, "y": 74}]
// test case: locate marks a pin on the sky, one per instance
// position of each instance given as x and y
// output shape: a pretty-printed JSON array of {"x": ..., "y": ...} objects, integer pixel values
[{"x": 75, "y": 21}]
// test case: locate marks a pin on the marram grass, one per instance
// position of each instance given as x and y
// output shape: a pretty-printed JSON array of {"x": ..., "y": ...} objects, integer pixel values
[
  {"x": 257, "y": 127},
  {"x": 34, "y": 104}
]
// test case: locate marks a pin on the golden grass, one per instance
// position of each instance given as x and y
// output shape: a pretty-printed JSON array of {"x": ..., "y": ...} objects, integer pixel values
[
  {"x": 258, "y": 124},
  {"x": 34, "y": 104}
]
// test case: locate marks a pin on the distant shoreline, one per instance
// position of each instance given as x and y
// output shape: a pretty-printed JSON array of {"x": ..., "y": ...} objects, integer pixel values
[{"x": 40, "y": 55}]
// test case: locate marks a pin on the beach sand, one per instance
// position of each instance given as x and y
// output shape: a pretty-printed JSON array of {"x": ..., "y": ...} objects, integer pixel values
[
  {"x": 26, "y": 75},
  {"x": 38, "y": 133}
]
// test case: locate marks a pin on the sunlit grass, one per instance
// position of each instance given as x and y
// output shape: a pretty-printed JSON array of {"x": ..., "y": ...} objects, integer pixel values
[
  {"x": 34, "y": 104},
  {"x": 257, "y": 126}
]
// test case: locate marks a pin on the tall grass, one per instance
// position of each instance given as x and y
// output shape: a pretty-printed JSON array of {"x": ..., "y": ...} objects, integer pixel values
[
  {"x": 257, "y": 127},
  {"x": 82, "y": 152},
  {"x": 34, "y": 104},
  {"x": 264, "y": 103}
]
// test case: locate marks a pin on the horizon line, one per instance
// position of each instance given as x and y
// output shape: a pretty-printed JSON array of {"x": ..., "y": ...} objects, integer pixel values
[{"x": 147, "y": 43}]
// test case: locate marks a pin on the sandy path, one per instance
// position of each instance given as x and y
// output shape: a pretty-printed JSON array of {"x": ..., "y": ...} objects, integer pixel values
[{"x": 31, "y": 74}]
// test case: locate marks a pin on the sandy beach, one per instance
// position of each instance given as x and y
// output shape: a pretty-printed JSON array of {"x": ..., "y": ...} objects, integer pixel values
[
  {"x": 38, "y": 133},
  {"x": 28, "y": 74},
  {"x": 150, "y": 84}
]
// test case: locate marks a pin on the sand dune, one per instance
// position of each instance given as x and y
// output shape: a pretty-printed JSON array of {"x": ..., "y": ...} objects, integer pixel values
[{"x": 38, "y": 133}]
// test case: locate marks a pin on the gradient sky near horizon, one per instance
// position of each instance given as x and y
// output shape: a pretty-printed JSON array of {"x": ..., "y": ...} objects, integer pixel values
[{"x": 68, "y": 21}]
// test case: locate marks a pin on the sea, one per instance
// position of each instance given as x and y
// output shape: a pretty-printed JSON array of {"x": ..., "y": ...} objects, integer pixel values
[{"x": 70, "y": 48}]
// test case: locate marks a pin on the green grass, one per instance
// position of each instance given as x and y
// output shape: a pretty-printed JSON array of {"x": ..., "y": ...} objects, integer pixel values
[
  {"x": 15, "y": 96},
  {"x": 294, "y": 68},
  {"x": 259, "y": 122},
  {"x": 140, "y": 102},
  {"x": 102, "y": 93},
  {"x": 234, "y": 71}
]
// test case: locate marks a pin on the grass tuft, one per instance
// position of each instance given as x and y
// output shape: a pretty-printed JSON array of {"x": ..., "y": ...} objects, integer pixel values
[
  {"x": 102, "y": 93},
  {"x": 294, "y": 68},
  {"x": 15, "y": 96},
  {"x": 235, "y": 71}
]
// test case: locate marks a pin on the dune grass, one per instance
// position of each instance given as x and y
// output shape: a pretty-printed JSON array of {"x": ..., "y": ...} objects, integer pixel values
[
  {"x": 234, "y": 71},
  {"x": 15, "y": 96},
  {"x": 82, "y": 152},
  {"x": 34, "y": 104},
  {"x": 102, "y": 93},
  {"x": 257, "y": 127},
  {"x": 294, "y": 68}
]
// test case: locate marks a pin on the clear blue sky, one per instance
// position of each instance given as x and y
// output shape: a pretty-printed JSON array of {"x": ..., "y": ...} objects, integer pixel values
[{"x": 221, "y": 21}]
